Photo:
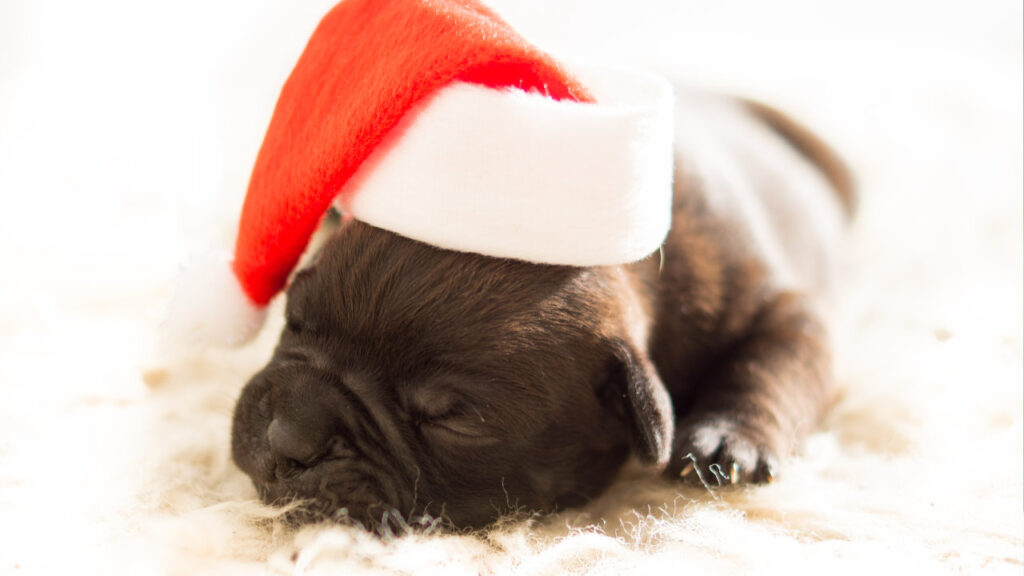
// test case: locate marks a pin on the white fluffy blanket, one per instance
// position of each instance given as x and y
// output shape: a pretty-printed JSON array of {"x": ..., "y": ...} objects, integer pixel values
[{"x": 127, "y": 131}]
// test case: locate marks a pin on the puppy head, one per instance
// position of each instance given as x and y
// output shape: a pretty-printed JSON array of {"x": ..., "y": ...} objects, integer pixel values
[{"x": 425, "y": 381}]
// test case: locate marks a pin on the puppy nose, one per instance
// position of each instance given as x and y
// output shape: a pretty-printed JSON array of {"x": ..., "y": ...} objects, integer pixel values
[
  {"x": 305, "y": 419},
  {"x": 300, "y": 442}
]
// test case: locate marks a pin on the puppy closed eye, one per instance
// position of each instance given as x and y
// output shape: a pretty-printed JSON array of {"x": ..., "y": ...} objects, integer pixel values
[
  {"x": 458, "y": 421},
  {"x": 446, "y": 419}
]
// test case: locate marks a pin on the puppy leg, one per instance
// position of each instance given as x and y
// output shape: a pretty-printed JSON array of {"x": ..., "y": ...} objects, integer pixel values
[{"x": 769, "y": 389}]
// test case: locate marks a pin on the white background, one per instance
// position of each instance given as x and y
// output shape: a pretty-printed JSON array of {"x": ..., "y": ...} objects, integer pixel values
[{"x": 127, "y": 132}]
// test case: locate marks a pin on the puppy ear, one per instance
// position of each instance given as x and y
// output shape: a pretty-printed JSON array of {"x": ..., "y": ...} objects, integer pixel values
[{"x": 635, "y": 392}]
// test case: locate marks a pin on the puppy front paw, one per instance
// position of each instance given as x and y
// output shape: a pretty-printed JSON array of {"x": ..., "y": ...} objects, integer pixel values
[{"x": 719, "y": 451}]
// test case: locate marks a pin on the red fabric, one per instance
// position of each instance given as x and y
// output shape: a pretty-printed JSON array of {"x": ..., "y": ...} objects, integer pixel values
[{"x": 366, "y": 65}]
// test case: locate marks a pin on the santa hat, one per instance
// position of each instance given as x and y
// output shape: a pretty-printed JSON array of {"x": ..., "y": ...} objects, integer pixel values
[{"x": 434, "y": 120}]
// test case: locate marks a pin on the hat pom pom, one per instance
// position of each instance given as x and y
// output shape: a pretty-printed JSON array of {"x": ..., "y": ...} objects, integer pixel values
[{"x": 209, "y": 307}]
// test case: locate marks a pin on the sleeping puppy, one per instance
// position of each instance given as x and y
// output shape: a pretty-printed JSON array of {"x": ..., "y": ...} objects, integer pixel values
[{"x": 419, "y": 381}]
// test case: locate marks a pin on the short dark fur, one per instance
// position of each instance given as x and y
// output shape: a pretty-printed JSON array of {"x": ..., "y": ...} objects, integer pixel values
[{"x": 420, "y": 380}]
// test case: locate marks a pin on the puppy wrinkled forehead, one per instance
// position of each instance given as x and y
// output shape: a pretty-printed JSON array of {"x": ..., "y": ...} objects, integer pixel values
[{"x": 375, "y": 283}]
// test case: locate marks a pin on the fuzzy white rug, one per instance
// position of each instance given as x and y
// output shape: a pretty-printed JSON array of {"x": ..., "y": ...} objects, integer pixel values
[{"x": 127, "y": 132}]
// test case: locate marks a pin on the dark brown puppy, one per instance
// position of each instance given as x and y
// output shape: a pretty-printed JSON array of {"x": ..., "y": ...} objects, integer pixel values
[{"x": 421, "y": 381}]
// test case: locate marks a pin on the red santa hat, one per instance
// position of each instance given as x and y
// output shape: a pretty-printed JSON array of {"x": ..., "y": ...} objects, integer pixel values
[{"x": 435, "y": 120}]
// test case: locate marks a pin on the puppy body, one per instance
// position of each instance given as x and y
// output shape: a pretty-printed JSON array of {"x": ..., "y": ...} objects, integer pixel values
[
  {"x": 425, "y": 381},
  {"x": 739, "y": 336}
]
